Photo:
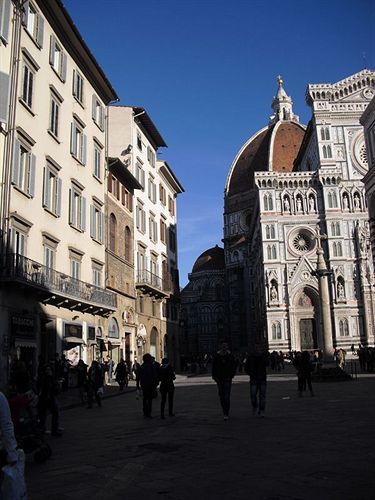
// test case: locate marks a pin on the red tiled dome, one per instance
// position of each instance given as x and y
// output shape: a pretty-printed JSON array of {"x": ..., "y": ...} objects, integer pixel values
[
  {"x": 211, "y": 259},
  {"x": 273, "y": 148}
]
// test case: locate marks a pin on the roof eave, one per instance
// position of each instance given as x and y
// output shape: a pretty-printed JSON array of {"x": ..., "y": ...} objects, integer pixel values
[{"x": 68, "y": 33}]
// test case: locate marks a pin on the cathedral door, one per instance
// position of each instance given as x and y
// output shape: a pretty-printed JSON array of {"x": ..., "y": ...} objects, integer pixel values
[{"x": 308, "y": 334}]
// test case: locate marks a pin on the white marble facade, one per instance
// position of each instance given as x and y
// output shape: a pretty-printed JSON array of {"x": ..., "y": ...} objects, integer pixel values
[{"x": 270, "y": 228}]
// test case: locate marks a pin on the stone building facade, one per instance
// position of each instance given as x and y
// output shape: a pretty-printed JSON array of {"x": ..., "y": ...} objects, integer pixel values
[
  {"x": 134, "y": 139},
  {"x": 293, "y": 195},
  {"x": 368, "y": 122},
  {"x": 121, "y": 328},
  {"x": 53, "y": 113}
]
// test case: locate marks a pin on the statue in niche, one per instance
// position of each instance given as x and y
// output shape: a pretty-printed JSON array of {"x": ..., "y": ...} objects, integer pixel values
[
  {"x": 340, "y": 290},
  {"x": 357, "y": 203},
  {"x": 273, "y": 294},
  {"x": 286, "y": 204},
  {"x": 312, "y": 204},
  {"x": 299, "y": 204},
  {"x": 345, "y": 202}
]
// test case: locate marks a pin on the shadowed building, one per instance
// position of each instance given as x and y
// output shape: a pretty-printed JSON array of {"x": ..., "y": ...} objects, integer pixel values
[{"x": 203, "y": 319}]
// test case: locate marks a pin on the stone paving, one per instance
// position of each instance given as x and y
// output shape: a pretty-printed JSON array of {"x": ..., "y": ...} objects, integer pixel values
[{"x": 306, "y": 448}]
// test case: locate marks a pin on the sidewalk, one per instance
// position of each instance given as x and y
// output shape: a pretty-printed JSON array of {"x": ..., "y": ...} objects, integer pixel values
[{"x": 71, "y": 398}]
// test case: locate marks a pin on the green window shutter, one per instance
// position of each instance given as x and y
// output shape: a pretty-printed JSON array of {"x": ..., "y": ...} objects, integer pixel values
[
  {"x": 63, "y": 66},
  {"x": 73, "y": 139},
  {"x": 71, "y": 206},
  {"x": 92, "y": 222},
  {"x": 52, "y": 43},
  {"x": 31, "y": 186},
  {"x": 4, "y": 97},
  {"x": 46, "y": 191},
  {"x": 58, "y": 197},
  {"x": 16, "y": 162},
  {"x": 83, "y": 214},
  {"x": 84, "y": 149},
  {"x": 5, "y": 6},
  {"x": 40, "y": 31}
]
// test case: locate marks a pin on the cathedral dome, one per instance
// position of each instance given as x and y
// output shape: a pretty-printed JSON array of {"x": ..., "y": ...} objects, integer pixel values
[
  {"x": 210, "y": 260},
  {"x": 273, "y": 148}
]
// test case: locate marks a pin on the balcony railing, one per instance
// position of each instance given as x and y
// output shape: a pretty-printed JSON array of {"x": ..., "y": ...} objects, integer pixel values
[
  {"x": 15, "y": 267},
  {"x": 152, "y": 283}
]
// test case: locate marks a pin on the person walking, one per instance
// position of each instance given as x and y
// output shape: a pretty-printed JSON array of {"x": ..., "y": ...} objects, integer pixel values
[
  {"x": 304, "y": 369},
  {"x": 149, "y": 380},
  {"x": 166, "y": 378},
  {"x": 49, "y": 388},
  {"x": 81, "y": 378},
  {"x": 256, "y": 367},
  {"x": 121, "y": 374},
  {"x": 95, "y": 381},
  {"x": 223, "y": 370}
]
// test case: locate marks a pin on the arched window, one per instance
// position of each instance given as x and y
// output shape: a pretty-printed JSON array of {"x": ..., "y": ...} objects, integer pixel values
[
  {"x": 324, "y": 151},
  {"x": 273, "y": 251},
  {"x": 128, "y": 244},
  {"x": 322, "y": 135},
  {"x": 112, "y": 232},
  {"x": 268, "y": 202},
  {"x": 326, "y": 134},
  {"x": 269, "y": 253},
  {"x": 276, "y": 330},
  {"x": 273, "y": 232},
  {"x": 329, "y": 152},
  {"x": 339, "y": 249},
  {"x": 335, "y": 229},
  {"x": 268, "y": 233}
]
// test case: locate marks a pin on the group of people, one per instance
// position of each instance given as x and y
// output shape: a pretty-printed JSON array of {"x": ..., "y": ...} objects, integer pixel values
[
  {"x": 152, "y": 375},
  {"x": 224, "y": 367}
]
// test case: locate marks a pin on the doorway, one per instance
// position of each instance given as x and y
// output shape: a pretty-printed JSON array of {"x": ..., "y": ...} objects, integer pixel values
[{"x": 308, "y": 334}]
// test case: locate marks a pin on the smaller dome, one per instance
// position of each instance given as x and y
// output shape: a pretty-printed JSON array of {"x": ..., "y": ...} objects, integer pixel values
[{"x": 210, "y": 260}]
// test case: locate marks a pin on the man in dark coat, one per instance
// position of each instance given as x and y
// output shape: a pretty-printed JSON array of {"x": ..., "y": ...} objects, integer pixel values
[
  {"x": 149, "y": 380},
  {"x": 166, "y": 377},
  {"x": 256, "y": 367},
  {"x": 223, "y": 370}
]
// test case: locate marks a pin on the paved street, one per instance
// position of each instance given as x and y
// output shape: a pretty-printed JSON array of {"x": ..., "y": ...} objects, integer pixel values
[{"x": 306, "y": 448}]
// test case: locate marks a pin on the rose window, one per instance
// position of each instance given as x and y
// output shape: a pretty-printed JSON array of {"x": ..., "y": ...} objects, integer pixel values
[
  {"x": 362, "y": 155},
  {"x": 301, "y": 241}
]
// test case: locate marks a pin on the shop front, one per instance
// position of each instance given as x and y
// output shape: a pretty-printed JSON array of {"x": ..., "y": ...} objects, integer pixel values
[
  {"x": 23, "y": 335},
  {"x": 114, "y": 342}
]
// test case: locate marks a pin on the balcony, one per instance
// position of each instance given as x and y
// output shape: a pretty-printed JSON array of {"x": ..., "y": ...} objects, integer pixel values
[
  {"x": 153, "y": 285},
  {"x": 56, "y": 288}
]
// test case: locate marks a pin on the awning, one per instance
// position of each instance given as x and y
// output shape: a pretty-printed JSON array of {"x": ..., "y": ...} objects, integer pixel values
[{"x": 73, "y": 340}]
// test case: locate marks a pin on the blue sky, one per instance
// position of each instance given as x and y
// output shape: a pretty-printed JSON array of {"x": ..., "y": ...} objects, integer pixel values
[{"x": 206, "y": 70}]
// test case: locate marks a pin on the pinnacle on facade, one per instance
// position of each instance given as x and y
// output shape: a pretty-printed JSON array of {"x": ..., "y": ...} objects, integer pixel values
[{"x": 282, "y": 105}]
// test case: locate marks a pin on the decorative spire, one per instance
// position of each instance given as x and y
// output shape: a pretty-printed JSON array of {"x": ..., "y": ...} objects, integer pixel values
[{"x": 282, "y": 105}]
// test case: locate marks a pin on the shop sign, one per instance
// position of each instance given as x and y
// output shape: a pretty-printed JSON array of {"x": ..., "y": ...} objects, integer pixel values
[
  {"x": 23, "y": 327},
  {"x": 113, "y": 330}
]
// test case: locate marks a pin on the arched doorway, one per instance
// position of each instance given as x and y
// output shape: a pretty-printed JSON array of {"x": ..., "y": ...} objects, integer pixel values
[
  {"x": 154, "y": 342},
  {"x": 307, "y": 324}
]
